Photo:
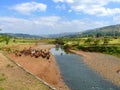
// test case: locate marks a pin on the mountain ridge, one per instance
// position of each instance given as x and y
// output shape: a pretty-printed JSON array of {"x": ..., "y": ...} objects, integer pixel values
[{"x": 112, "y": 30}]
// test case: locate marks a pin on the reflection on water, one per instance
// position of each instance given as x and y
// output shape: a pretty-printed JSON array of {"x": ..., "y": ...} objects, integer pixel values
[
  {"x": 77, "y": 75},
  {"x": 58, "y": 51}
]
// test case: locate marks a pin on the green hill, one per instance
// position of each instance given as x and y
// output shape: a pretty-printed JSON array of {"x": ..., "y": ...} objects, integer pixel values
[{"x": 113, "y": 30}]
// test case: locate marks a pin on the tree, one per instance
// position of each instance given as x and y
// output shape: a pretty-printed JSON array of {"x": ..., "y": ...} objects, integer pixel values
[
  {"x": 98, "y": 35},
  {"x": 6, "y": 38},
  {"x": 96, "y": 42},
  {"x": 105, "y": 41},
  {"x": 59, "y": 41},
  {"x": 88, "y": 41}
]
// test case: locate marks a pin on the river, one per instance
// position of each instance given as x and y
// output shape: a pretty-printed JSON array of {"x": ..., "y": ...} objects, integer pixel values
[{"x": 77, "y": 75}]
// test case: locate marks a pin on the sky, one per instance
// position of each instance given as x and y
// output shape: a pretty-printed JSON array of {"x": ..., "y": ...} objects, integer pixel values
[{"x": 39, "y": 17}]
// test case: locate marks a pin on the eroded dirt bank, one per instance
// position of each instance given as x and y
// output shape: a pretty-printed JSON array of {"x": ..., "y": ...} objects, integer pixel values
[
  {"x": 46, "y": 69},
  {"x": 104, "y": 64},
  {"x": 13, "y": 77}
]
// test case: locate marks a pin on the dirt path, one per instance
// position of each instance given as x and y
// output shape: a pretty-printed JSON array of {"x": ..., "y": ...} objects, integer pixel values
[
  {"x": 104, "y": 64},
  {"x": 45, "y": 69},
  {"x": 13, "y": 77}
]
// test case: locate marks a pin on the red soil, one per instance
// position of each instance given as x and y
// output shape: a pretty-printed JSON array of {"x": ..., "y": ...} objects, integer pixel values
[{"x": 45, "y": 69}]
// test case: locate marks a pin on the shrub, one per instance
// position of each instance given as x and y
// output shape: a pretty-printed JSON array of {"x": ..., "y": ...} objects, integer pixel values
[
  {"x": 103, "y": 49},
  {"x": 2, "y": 88}
]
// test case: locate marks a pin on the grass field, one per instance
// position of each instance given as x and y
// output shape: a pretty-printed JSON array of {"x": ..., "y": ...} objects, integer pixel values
[{"x": 109, "y": 45}]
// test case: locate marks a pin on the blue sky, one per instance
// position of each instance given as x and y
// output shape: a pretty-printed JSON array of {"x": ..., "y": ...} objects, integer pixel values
[{"x": 57, "y": 16}]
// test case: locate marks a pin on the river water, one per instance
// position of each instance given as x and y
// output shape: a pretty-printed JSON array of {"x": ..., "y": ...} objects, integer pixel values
[{"x": 77, "y": 75}]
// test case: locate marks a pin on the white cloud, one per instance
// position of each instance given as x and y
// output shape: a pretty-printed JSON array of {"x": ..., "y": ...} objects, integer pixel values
[
  {"x": 56, "y": 1},
  {"x": 47, "y": 25},
  {"x": 61, "y": 7},
  {"x": 92, "y": 7},
  {"x": 69, "y": 10},
  {"x": 68, "y": 1},
  {"x": 28, "y": 7}
]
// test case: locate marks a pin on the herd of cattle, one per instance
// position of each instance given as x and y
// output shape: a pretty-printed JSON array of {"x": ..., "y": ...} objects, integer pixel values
[{"x": 33, "y": 53}]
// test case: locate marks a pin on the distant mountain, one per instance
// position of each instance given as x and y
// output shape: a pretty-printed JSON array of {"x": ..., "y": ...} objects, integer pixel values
[
  {"x": 22, "y": 35},
  {"x": 60, "y": 35},
  {"x": 40, "y": 36},
  {"x": 113, "y": 30}
]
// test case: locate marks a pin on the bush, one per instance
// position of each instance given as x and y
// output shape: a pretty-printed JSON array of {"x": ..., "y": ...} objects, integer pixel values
[
  {"x": 2, "y": 88},
  {"x": 103, "y": 49},
  {"x": 66, "y": 46}
]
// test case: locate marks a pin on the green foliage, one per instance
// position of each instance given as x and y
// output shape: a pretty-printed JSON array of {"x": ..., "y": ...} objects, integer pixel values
[
  {"x": 104, "y": 49},
  {"x": 2, "y": 77},
  {"x": 109, "y": 45},
  {"x": 8, "y": 50},
  {"x": 105, "y": 41},
  {"x": 2, "y": 88},
  {"x": 67, "y": 46},
  {"x": 59, "y": 41},
  {"x": 98, "y": 35},
  {"x": 88, "y": 41},
  {"x": 14, "y": 40},
  {"x": 96, "y": 42},
  {"x": 113, "y": 30},
  {"x": 5, "y": 38}
]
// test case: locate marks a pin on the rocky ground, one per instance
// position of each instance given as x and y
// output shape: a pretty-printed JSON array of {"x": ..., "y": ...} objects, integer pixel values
[{"x": 106, "y": 65}]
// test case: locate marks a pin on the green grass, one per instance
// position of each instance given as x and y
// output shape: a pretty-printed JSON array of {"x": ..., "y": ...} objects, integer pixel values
[
  {"x": 112, "y": 46},
  {"x": 19, "y": 41},
  {"x": 2, "y": 77},
  {"x": 114, "y": 41},
  {"x": 2, "y": 88}
]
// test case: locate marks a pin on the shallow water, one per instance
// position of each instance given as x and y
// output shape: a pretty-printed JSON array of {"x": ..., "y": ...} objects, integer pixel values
[{"x": 77, "y": 75}]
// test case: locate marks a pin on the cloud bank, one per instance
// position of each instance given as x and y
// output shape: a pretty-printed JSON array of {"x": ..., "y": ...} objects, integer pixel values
[
  {"x": 92, "y": 7},
  {"x": 29, "y": 7},
  {"x": 47, "y": 25}
]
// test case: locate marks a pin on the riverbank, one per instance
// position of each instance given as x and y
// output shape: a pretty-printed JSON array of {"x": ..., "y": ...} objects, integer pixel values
[
  {"x": 106, "y": 65},
  {"x": 13, "y": 77},
  {"x": 45, "y": 69}
]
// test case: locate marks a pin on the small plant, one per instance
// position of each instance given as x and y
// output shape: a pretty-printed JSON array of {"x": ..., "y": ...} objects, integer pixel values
[
  {"x": 96, "y": 42},
  {"x": 88, "y": 41},
  {"x": 8, "y": 50},
  {"x": 2, "y": 88},
  {"x": 2, "y": 74},
  {"x": 9, "y": 66},
  {"x": 106, "y": 41},
  {"x": 5, "y": 38},
  {"x": 2, "y": 77}
]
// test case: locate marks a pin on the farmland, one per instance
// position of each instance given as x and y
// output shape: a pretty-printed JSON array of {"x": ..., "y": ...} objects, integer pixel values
[{"x": 109, "y": 45}]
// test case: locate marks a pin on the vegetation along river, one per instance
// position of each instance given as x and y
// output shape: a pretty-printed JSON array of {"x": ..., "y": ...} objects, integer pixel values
[{"x": 77, "y": 75}]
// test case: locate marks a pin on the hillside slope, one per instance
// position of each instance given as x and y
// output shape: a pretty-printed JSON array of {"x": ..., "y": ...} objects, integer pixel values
[{"x": 113, "y": 30}]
